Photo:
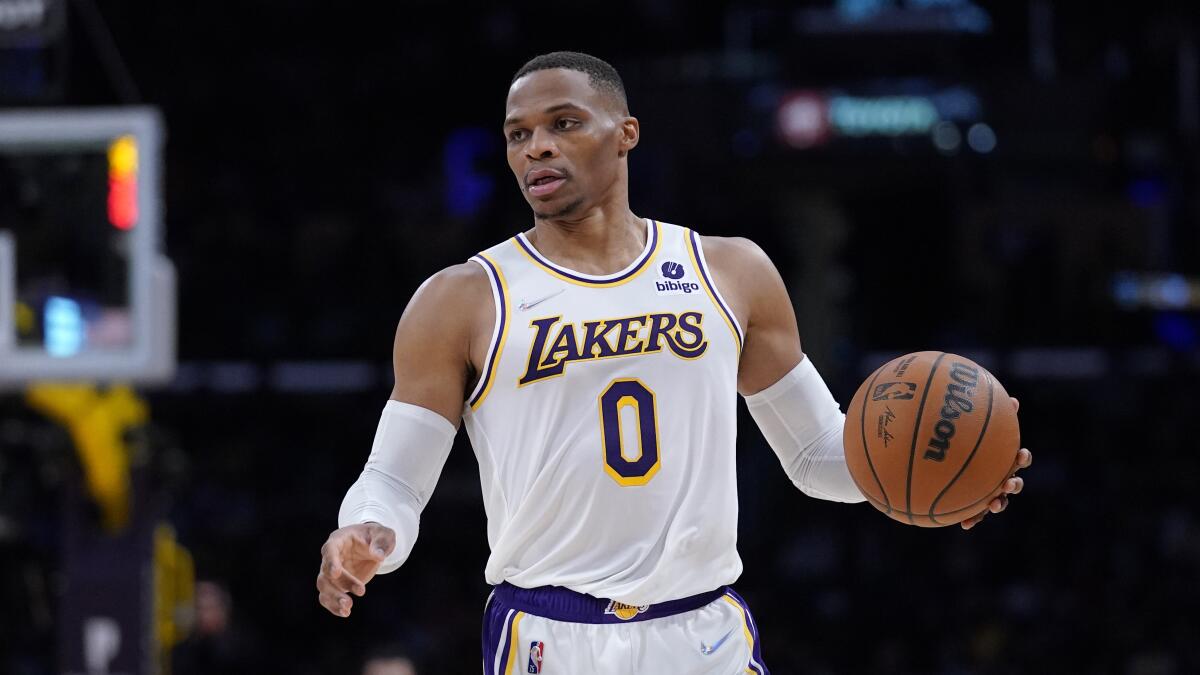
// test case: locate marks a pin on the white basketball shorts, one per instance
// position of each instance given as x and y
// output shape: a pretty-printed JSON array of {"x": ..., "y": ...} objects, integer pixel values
[{"x": 555, "y": 631}]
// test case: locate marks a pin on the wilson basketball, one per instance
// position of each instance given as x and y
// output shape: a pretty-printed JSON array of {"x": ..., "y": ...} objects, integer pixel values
[{"x": 930, "y": 438}]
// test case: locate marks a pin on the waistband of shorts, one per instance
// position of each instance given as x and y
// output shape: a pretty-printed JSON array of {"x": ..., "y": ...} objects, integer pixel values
[{"x": 562, "y": 604}]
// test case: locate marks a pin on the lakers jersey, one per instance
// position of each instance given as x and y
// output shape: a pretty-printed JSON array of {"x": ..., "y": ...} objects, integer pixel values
[{"x": 604, "y": 423}]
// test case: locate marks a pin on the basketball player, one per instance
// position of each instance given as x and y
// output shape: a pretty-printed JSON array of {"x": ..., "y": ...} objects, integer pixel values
[{"x": 595, "y": 361}]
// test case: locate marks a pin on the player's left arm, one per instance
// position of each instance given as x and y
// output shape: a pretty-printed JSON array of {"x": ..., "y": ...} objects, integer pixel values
[{"x": 786, "y": 396}]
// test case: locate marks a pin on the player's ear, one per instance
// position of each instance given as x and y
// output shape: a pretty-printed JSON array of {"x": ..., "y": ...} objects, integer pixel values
[{"x": 630, "y": 133}]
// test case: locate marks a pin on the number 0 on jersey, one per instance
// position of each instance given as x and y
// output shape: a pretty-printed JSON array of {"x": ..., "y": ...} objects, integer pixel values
[{"x": 639, "y": 469}]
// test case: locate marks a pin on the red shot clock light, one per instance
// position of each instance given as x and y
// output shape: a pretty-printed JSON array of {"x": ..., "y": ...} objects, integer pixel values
[{"x": 122, "y": 183}]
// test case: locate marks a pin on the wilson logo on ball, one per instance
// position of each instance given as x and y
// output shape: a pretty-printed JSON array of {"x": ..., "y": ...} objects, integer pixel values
[{"x": 960, "y": 389}]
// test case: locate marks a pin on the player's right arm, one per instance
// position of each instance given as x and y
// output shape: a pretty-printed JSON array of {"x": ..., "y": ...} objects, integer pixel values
[{"x": 442, "y": 336}]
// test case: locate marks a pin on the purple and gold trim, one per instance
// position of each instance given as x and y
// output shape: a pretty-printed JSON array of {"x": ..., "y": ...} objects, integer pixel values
[
  {"x": 562, "y": 604},
  {"x": 499, "y": 333},
  {"x": 592, "y": 280},
  {"x": 756, "y": 665},
  {"x": 511, "y": 649},
  {"x": 500, "y": 628},
  {"x": 496, "y": 624},
  {"x": 508, "y": 604},
  {"x": 697, "y": 254}
]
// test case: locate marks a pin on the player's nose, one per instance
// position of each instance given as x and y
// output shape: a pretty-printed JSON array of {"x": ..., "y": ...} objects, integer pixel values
[{"x": 541, "y": 145}]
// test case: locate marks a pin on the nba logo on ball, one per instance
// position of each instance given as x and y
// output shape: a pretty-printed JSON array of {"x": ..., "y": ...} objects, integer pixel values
[{"x": 536, "y": 650}]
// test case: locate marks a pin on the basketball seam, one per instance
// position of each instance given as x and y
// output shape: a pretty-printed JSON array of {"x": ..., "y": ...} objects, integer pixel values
[
  {"x": 862, "y": 419},
  {"x": 916, "y": 429},
  {"x": 968, "y": 507},
  {"x": 963, "y": 468}
]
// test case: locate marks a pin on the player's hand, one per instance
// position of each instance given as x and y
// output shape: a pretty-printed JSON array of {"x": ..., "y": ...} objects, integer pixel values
[
  {"x": 349, "y": 559},
  {"x": 1011, "y": 486}
]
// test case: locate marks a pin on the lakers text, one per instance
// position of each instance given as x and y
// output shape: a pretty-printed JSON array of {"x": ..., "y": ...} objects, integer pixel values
[{"x": 556, "y": 344}]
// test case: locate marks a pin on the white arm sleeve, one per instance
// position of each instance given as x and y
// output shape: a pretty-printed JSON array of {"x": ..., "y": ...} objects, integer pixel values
[
  {"x": 803, "y": 424},
  {"x": 410, "y": 449}
]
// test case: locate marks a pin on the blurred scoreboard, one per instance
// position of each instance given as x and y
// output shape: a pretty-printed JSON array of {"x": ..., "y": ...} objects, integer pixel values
[{"x": 85, "y": 292}]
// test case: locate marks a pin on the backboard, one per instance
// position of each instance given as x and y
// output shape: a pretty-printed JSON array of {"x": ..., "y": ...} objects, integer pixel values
[{"x": 85, "y": 290}]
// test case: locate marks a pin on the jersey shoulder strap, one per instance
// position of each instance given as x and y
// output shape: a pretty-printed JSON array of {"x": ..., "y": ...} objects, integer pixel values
[{"x": 494, "y": 261}]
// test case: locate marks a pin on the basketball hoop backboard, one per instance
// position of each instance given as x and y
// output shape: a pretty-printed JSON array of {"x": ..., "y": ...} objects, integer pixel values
[{"x": 85, "y": 290}]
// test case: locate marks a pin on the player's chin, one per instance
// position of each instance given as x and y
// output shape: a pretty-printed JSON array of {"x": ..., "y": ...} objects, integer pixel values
[{"x": 544, "y": 210}]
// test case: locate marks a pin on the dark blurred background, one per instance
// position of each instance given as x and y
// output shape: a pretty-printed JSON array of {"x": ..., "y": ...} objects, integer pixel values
[{"x": 1015, "y": 181}]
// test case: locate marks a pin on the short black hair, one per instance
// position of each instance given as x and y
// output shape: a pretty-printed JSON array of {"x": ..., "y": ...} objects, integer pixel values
[
  {"x": 388, "y": 651},
  {"x": 601, "y": 75}
]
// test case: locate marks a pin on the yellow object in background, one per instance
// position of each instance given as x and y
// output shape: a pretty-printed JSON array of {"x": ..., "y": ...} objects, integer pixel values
[
  {"x": 24, "y": 320},
  {"x": 174, "y": 593},
  {"x": 123, "y": 157},
  {"x": 97, "y": 423}
]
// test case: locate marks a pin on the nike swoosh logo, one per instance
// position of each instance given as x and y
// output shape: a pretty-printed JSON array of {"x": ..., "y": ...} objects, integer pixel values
[
  {"x": 706, "y": 650},
  {"x": 530, "y": 304}
]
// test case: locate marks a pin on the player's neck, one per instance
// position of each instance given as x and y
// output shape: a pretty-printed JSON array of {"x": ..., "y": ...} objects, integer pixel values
[{"x": 603, "y": 240}]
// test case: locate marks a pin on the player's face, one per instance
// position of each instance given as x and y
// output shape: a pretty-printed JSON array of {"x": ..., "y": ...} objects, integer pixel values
[{"x": 564, "y": 142}]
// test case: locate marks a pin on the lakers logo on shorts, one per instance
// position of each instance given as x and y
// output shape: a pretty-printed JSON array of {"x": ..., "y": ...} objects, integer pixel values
[{"x": 623, "y": 611}]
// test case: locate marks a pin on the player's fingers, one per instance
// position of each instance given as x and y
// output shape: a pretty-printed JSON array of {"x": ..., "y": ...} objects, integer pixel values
[
  {"x": 337, "y": 604},
  {"x": 1024, "y": 458},
  {"x": 331, "y": 559},
  {"x": 347, "y": 586},
  {"x": 332, "y": 567},
  {"x": 1016, "y": 404},
  {"x": 998, "y": 504},
  {"x": 1013, "y": 486},
  {"x": 973, "y": 521},
  {"x": 329, "y": 587},
  {"x": 349, "y": 583},
  {"x": 382, "y": 541},
  {"x": 331, "y": 598},
  {"x": 361, "y": 535}
]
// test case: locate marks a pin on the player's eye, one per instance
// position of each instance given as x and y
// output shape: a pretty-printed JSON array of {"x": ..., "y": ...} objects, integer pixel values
[
  {"x": 564, "y": 123},
  {"x": 516, "y": 135}
]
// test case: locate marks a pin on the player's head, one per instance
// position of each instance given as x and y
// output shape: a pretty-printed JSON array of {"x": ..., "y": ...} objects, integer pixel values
[
  {"x": 567, "y": 122},
  {"x": 388, "y": 659},
  {"x": 213, "y": 607}
]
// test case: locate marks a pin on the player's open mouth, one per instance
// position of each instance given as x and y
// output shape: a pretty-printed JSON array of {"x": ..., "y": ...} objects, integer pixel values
[
  {"x": 545, "y": 185},
  {"x": 545, "y": 180}
]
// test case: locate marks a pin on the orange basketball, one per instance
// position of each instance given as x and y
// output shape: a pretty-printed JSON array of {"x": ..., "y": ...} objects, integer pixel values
[{"x": 930, "y": 438}]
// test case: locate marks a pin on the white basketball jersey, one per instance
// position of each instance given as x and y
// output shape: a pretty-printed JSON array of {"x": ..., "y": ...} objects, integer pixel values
[{"x": 604, "y": 424}]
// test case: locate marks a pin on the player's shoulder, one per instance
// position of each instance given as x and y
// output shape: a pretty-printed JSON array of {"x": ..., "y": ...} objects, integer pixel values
[
  {"x": 734, "y": 253},
  {"x": 466, "y": 274},
  {"x": 454, "y": 289},
  {"x": 746, "y": 275}
]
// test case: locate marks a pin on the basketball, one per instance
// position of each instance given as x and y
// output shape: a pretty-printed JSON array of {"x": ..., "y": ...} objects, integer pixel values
[{"x": 930, "y": 438}]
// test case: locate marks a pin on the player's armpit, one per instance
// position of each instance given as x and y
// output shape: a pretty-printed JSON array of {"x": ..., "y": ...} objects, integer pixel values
[{"x": 442, "y": 336}]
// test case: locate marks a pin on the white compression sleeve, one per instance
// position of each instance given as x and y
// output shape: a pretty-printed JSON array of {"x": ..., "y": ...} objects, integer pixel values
[
  {"x": 411, "y": 446},
  {"x": 803, "y": 424}
]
